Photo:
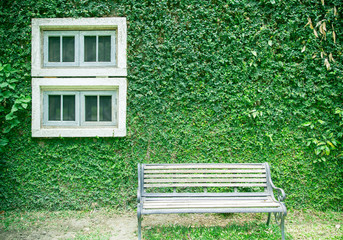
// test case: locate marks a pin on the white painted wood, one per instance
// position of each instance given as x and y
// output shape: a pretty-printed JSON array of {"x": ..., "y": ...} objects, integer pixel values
[
  {"x": 204, "y": 175},
  {"x": 201, "y": 180},
  {"x": 203, "y": 166},
  {"x": 206, "y": 185},
  {"x": 209, "y": 205},
  {"x": 183, "y": 199},
  {"x": 206, "y": 171}
]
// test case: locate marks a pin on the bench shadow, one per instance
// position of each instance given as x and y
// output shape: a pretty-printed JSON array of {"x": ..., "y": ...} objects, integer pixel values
[{"x": 235, "y": 231}]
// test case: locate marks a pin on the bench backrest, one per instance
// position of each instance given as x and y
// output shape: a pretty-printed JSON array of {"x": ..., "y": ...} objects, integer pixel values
[{"x": 232, "y": 179}]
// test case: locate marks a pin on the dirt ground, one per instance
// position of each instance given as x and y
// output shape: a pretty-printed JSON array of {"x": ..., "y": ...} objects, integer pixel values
[{"x": 112, "y": 226}]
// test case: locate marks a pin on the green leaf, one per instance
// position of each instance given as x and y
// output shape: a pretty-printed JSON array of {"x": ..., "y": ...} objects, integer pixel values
[
  {"x": 3, "y": 141},
  {"x": 7, "y": 94},
  {"x": 3, "y": 85},
  {"x": 306, "y": 124}
]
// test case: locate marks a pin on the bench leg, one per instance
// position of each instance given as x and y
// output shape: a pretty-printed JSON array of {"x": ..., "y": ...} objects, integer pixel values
[
  {"x": 268, "y": 219},
  {"x": 139, "y": 218},
  {"x": 283, "y": 226}
]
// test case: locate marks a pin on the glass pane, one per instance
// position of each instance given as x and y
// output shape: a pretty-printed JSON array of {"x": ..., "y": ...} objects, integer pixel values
[
  {"x": 90, "y": 49},
  {"x": 91, "y": 103},
  {"x": 104, "y": 49},
  {"x": 54, "y": 49},
  {"x": 105, "y": 108},
  {"x": 54, "y": 107},
  {"x": 68, "y": 51},
  {"x": 69, "y": 108}
]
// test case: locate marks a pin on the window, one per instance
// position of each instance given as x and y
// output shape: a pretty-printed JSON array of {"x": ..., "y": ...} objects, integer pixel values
[
  {"x": 60, "y": 108},
  {"x": 98, "y": 108},
  {"x": 69, "y": 47},
  {"x": 97, "y": 48},
  {"x": 83, "y": 107},
  {"x": 79, "y": 48}
]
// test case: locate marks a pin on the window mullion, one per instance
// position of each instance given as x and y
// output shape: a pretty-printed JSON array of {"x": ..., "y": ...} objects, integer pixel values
[
  {"x": 61, "y": 47},
  {"x": 98, "y": 110},
  {"x": 80, "y": 110},
  {"x": 61, "y": 109},
  {"x": 96, "y": 50},
  {"x": 78, "y": 48}
]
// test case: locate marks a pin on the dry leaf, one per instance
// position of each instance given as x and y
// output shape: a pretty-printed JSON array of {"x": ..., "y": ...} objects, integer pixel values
[
  {"x": 335, "y": 11},
  {"x": 324, "y": 26},
  {"x": 254, "y": 53},
  {"x": 314, "y": 56},
  {"x": 315, "y": 32},
  {"x": 323, "y": 2},
  {"x": 309, "y": 22},
  {"x": 322, "y": 54},
  {"x": 321, "y": 30},
  {"x": 331, "y": 58},
  {"x": 304, "y": 48},
  {"x": 327, "y": 64}
]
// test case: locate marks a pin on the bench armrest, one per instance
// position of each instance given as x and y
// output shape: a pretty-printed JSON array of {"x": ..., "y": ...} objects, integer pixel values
[{"x": 281, "y": 196}]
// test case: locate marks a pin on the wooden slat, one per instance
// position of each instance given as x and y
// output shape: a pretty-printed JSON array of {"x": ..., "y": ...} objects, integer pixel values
[
  {"x": 205, "y": 171},
  {"x": 207, "y": 185},
  {"x": 201, "y": 201},
  {"x": 230, "y": 198},
  {"x": 204, "y": 175},
  {"x": 209, "y": 205},
  {"x": 203, "y": 166},
  {"x": 210, "y": 180}
]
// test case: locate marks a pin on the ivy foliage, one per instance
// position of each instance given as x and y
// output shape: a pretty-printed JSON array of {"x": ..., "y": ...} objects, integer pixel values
[
  {"x": 11, "y": 102},
  {"x": 209, "y": 81}
]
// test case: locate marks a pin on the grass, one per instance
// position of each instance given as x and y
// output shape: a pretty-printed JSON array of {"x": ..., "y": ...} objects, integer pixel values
[
  {"x": 102, "y": 224},
  {"x": 251, "y": 230},
  {"x": 307, "y": 224}
]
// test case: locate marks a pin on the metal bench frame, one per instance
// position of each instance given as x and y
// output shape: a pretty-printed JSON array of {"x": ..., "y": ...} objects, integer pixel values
[{"x": 152, "y": 203}]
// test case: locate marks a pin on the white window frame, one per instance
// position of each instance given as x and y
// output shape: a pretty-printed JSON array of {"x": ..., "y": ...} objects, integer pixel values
[
  {"x": 46, "y": 121},
  {"x": 98, "y": 93},
  {"x": 64, "y": 85},
  {"x": 97, "y": 34},
  {"x": 60, "y": 34},
  {"x": 115, "y": 24}
]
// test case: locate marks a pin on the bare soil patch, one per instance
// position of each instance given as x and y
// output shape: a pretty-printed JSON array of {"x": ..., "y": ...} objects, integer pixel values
[{"x": 114, "y": 225}]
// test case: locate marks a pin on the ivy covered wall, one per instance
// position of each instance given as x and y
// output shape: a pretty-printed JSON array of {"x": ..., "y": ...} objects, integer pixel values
[{"x": 208, "y": 81}]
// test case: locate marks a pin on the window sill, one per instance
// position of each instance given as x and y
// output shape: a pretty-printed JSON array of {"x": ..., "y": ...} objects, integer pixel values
[
  {"x": 78, "y": 72},
  {"x": 79, "y": 132}
]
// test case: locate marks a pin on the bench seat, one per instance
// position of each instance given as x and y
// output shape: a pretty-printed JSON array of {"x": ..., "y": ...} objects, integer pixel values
[{"x": 204, "y": 205}]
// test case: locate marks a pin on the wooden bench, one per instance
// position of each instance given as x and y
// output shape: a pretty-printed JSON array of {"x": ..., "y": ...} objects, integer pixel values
[{"x": 208, "y": 188}]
